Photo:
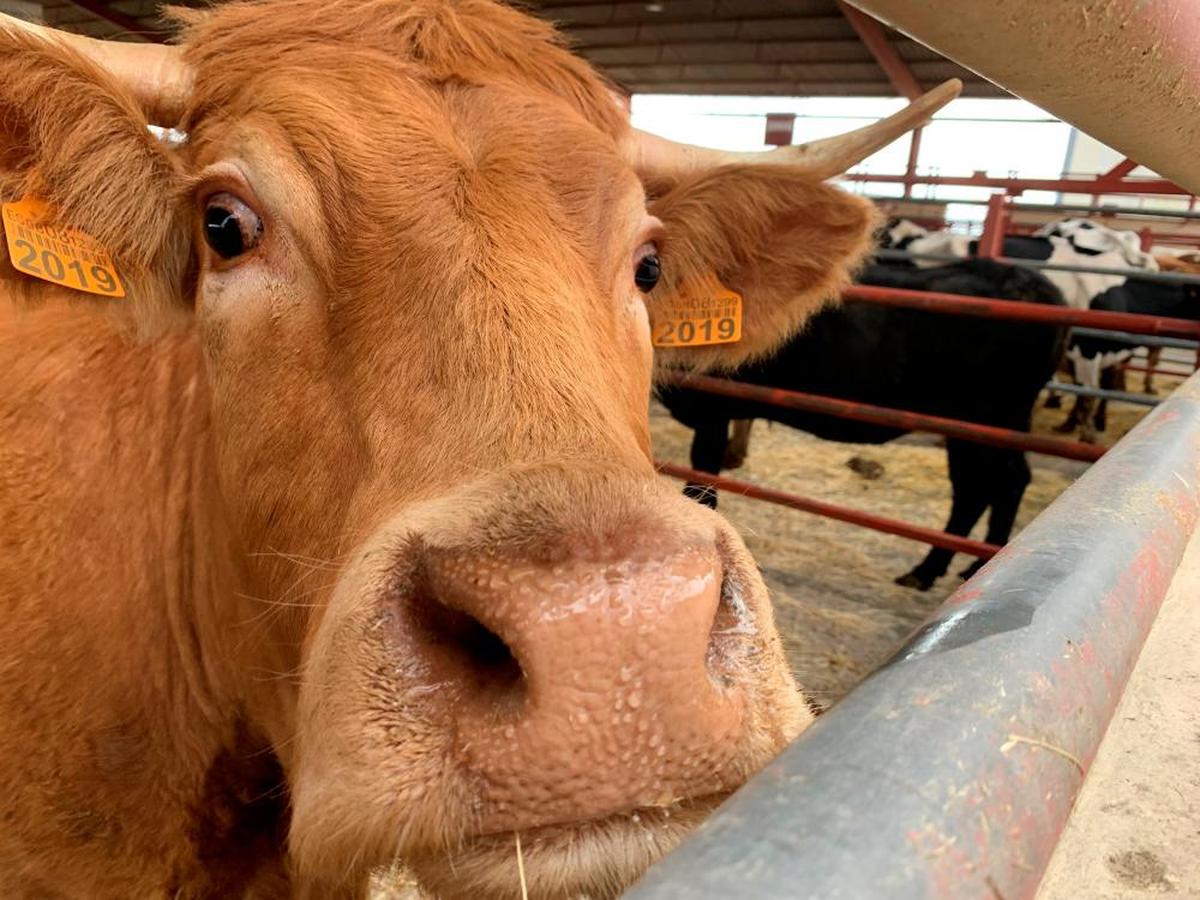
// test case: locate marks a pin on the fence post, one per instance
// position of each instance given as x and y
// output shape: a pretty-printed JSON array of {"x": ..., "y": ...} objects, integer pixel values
[{"x": 991, "y": 242}]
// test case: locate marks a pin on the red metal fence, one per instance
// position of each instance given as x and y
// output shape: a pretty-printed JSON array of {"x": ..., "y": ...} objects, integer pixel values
[
  {"x": 950, "y": 771},
  {"x": 892, "y": 418},
  {"x": 831, "y": 511},
  {"x": 1015, "y": 310},
  {"x": 955, "y": 304}
]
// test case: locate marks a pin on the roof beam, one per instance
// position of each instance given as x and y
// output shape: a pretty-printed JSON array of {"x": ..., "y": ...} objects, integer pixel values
[
  {"x": 1120, "y": 170},
  {"x": 126, "y": 23},
  {"x": 871, "y": 34},
  {"x": 1134, "y": 67}
]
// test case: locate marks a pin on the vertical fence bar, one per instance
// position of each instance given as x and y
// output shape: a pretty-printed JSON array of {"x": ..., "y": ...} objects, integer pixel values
[
  {"x": 914, "y": 154},
  {"x": 991, "y": 242}
]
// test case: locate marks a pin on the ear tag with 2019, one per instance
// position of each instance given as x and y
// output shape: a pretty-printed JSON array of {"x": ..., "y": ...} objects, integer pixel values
[
  {"x": 700, "y": 312},
  {"x": 62, "y": 256}
]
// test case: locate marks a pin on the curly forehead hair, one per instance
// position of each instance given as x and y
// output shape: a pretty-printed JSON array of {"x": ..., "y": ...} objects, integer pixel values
[{"x": 471, "y": 41}]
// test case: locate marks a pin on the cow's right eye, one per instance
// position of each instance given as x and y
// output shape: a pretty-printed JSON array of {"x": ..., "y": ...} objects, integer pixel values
[
  {"x": 231, "y": 228},
  {"x": 648, "y": 269}
]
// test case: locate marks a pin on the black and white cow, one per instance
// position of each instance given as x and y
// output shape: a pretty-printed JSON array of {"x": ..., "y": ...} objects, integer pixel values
[
  {"x": 1099, "y": 362},
  {"x": 955, "y": 366},
  {"x": 1092, "y": 362},
  {"x": 1069, "y": 241}
]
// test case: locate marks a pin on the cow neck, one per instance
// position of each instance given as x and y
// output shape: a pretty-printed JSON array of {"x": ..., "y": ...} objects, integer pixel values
[{"x": 216, "y": 640}]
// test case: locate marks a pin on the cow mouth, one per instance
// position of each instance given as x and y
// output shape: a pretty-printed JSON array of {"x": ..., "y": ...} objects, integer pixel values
[
  {"x": 649, "y": 814},
  {"x": 596, "y": 858}
]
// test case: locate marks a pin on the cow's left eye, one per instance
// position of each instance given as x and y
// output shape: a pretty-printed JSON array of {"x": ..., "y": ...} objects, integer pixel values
[
  {"x": 230, "y": 226},
  {"x": 648, "y": 270}
]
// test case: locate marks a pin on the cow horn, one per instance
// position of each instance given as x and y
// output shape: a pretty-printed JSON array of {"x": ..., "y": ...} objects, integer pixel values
[
  {"x": 154, "y": 74},
  {"x": 826, "y": 157}
]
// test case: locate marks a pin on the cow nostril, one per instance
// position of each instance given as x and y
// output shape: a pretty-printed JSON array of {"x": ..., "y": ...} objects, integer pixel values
[
  {"x": 732, "y": 626},
  {"x": 487, "y": 651},
  {"x": 469, "y": 652}
]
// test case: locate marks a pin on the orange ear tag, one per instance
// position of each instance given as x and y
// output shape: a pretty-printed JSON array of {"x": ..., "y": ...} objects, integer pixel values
[
  {"x": 702, "y": 311},
  {"x": 58, "y": 255}
]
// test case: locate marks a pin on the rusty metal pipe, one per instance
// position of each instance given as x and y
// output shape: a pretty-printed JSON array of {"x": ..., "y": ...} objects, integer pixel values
[
  {"x": 950, "y": 772},
  {"x": 1174, "y": 373},
  {"x": 1139, "y": 340},
  {"x": 1102, "y": 211},
  {"x": 892, "y": 418},
  {"x": 1125, "y": 71},
  {"x": 1157, "y": 277},
  {"x": 883, "y": 51},
  {"x": 1020, "y": 185},
  {"x": 991, "y": 241},
  {"x": 1081, "y": 390},
  {"x": 990, "y": 308},
  {"x": 831, "y": 511}
]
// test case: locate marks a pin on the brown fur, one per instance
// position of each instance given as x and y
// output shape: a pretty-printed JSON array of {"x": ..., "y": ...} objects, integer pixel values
[
  {"x": 1184, "y": 263},
  {"x": 770, "y": 236},
  {"x": 438, "y": 339}
]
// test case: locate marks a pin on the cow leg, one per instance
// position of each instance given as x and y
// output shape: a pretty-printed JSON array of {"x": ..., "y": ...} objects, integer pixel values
[
  {"x": 1111, "y": 379},
  {"x": 1054, "y": 399},
  {"x": 969, "y": 483},
  {"x": 1074, "y": 417},
  {"x": 1009, "y": 480},
  {"x": 1087, "y": 373},
  {"x": 1087, "y": 419},
  {"x": 1071, "y": 422},
  {"x": 1153, "y": 357},
  {"x": 709, "y": 443},
  {"x": 739, "y": 444}
]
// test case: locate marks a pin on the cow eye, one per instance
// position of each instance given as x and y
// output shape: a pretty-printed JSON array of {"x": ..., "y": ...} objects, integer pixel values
[
  {"x": 230, "y": 226},
  {"x": 648, "y": 270}
]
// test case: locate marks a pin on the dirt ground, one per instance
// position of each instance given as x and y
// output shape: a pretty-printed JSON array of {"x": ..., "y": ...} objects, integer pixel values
[{"x": 1134, "y": 830}]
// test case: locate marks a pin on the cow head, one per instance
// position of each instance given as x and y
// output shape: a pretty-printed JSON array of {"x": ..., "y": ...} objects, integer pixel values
[{"x": 412, "y": 244}]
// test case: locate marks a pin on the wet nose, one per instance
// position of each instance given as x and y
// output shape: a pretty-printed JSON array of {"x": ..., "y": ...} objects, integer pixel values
[{"x": 582, "y": 689}]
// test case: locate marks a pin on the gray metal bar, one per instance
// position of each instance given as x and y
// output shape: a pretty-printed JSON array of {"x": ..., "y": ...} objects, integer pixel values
[
  {"x": 1162, "y": 277},
  {"x": 1139, "y": 340},
  {"x": 1120, "y": 396},
  {"x": 950, "y": 772},
  {"x": 1153, "y": 212}
]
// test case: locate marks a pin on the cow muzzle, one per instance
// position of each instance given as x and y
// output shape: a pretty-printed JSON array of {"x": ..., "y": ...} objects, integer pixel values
[
  {"x": 574, "y": 656},
  {"x": 580, "y": 688}
]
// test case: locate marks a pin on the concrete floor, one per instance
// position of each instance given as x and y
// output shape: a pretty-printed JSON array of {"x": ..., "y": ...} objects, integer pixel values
[{"x": 1135, "y": 830}]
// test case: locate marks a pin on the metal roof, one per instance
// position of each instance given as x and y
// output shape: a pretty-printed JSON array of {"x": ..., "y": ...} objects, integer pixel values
[
  {"x": 792, "y": 47},
  {"x": 770, "y": 47}
]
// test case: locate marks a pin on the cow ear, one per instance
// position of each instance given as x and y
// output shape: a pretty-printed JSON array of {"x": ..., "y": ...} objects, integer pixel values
[
  {"x": 777, "y": 235},
  {"x": 74, "y": 138}
]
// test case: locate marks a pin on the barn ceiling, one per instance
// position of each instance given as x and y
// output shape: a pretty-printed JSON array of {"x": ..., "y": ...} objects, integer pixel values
[
  {"x": 780, "y": 47},
  {"x": 794, "y": 47}
]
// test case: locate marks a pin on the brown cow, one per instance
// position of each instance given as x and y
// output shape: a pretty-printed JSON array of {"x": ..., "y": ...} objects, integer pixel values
[{"x": 337, "y": 541}]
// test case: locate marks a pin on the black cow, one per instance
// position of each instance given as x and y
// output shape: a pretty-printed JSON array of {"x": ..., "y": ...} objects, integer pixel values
[{"x": 962, "y": 367}]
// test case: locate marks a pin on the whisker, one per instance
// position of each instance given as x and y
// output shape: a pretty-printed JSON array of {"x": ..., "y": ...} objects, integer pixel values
[{"x": 521, "y": 867}]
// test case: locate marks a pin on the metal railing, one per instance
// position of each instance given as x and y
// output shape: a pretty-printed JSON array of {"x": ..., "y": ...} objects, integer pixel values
[
  {"x": 952, "y": 769},
  {"x": 1142, "y": 274}
]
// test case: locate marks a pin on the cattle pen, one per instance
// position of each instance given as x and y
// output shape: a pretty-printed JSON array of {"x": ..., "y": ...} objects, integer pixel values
[
  {"x": 952, "y": 770},
  {"x": 1186, "y": 331},
  {"x": 343, "y": 557},
  {"x": 962, "y": 756},
  {"x": 976, "y": 736}
]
